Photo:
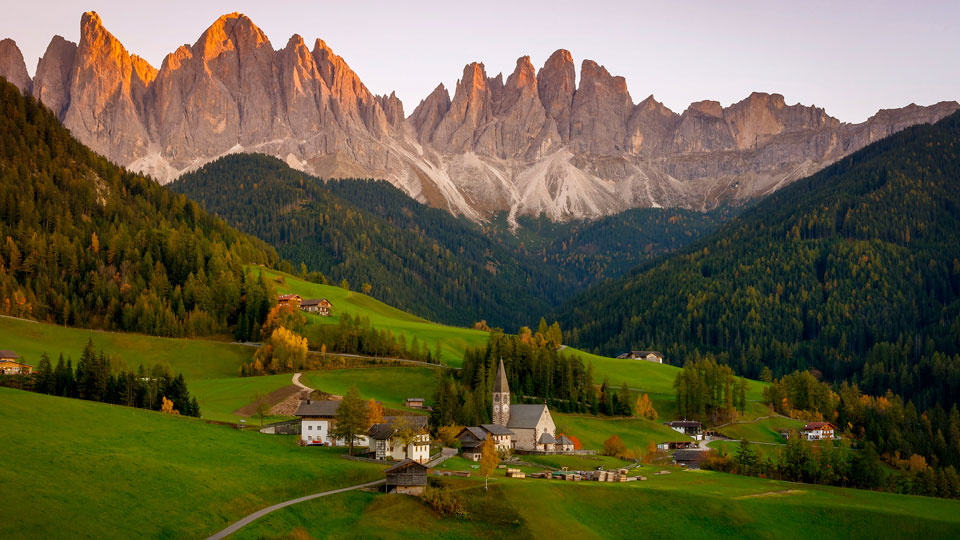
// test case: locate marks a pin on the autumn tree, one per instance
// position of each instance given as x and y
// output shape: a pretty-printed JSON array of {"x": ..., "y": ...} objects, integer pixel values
[
  {"x": 376, "y": 411},
  {"x": 489, "y": 459},
  {"x": 353, "y": 418},
  {"x": 286, "y": 316},
  {"x": 448, "y": 434},
  {"x": 613, "y": 446},
  {"x": 167, "y": 407},
  {"x": 644, "y": 408},
  {"x": 407, "y": 433}
]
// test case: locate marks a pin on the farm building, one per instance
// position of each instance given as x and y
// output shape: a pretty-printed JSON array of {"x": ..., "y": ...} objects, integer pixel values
[
  {"x": 689, "y": 458},
  {"x": 10, "y": 364},
  {"x": 320, "y": 306},
  {"x": 414, "y": 402},
  {"x": 472, "y": 438},
  {"x": 317, "y": 419},
  {"x": 818, "y": 431},
  {"x": 649, "y": 356},
  {"x": 471, "y": 442},
  {"x": 385, "y": 443},
  {"x": 687, "y": 427},
  {"x": 408, "y": 477},
  {"x": 287, "y": 299}
]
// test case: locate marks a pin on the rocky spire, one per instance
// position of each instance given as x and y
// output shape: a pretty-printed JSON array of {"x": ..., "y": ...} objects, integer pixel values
[
  {"x": 601, "y": 109},
  {"x": 556, "y": 85},
  {"x": 12, "y": 67},
  {"x": 51, "y": 83},
  {"x": 428, "y": 114}
]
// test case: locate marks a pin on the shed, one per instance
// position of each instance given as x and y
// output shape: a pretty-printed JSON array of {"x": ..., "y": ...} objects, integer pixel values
[{"x": 408, "y": 477}]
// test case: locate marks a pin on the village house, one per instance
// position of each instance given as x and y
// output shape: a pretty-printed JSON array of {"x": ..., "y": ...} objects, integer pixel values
[
  {"x": 414, "y": 402},
  {"x": 317, "y": 419},
  {"x": 319, "y": 306},
  {"x": 385, "y": 444},
  {"x": 687, "y": 427},
  {"x": 472, "y": 438},
  {"x": 529, "y": 423},
  {"x": 10, "y": 364},
  {"x": 649, "y": 356},
  {"x": 288, "y": 299},
  {"x": 818, "y": 431},
  {"x": 408, "y": 477}
]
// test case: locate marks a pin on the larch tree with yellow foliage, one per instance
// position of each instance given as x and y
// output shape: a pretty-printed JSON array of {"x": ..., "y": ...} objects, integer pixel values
[
  {"x": 645, "y": 408},
  {"x": 489, "y": 459}
]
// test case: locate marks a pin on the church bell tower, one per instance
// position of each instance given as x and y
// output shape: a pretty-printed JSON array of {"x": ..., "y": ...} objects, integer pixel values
[{"x": 501, "y": 398}]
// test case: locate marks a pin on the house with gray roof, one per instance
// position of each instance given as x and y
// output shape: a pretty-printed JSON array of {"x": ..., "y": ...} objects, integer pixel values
[
  {"x": 385, "y": 441},
  {"x": 317, "y": 419}
]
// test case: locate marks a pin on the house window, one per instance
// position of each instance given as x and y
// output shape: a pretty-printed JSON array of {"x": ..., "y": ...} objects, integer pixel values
[{"x": 310, "y": 428}]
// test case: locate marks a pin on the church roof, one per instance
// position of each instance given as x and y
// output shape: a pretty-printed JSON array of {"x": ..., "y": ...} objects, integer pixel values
[
  {"x": 547, "y": 438},
  {"x": 501, "y": 384},
  {"x": 525, "y": 416}
]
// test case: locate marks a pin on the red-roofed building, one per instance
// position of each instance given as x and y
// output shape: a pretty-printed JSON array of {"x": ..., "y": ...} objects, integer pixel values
[
  {"x": 287, "y": 299},
  {"x": 818, "y": 431}
]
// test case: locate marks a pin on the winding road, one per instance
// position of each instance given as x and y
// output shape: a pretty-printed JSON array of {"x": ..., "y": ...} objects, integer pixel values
[
  {"x": 260, "y": 513},
  {"x": 445, "y": 453}
]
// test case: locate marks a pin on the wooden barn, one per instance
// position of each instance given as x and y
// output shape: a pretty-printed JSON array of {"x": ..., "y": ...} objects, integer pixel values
[{"x": 407, "y": 477}]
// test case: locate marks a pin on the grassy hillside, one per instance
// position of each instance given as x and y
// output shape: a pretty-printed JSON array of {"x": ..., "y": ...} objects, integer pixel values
[
  {"x": 392, "y": 386},
  {"x": 682, "y": 504},
  {"x": 454, "y": 340},
  {"x": 83, "y": 469},
  {"x": 196, "y": 359}
]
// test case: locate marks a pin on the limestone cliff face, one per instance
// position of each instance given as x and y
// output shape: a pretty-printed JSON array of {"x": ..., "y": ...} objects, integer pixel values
[
  {"x": 51, "y": 83},
  {"x": 535, "y": 143},
  {"x": 12, "y": 67}
]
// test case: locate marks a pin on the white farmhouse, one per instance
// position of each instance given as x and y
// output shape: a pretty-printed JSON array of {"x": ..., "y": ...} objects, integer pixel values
[
  {"x": 317, "y": 420},
  {"x": 385, "y": 444}
]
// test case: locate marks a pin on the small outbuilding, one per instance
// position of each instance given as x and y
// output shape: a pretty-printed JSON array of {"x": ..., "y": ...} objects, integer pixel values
[
  {"x": 289, "y": 299},
  {"x": 407, "y": 477},
  {"x": 414, "y": 402}
]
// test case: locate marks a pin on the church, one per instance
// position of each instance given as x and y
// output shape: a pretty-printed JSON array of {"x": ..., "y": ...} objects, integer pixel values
[{"x": 532, "y": 426}]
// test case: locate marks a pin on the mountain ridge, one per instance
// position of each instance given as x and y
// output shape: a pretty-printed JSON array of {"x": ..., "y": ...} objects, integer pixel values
[{"x": 535, "y": 143}]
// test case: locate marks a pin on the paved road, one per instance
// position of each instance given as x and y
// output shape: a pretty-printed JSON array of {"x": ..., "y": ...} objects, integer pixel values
[{"x": 260, "y": 513}]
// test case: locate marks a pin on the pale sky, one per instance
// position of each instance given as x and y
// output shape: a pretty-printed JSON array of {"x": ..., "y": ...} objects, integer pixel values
[{"x": 850, "y": 57}]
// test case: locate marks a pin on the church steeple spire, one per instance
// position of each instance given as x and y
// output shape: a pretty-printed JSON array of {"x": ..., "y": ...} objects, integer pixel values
[{"x": 501, "y": 397}]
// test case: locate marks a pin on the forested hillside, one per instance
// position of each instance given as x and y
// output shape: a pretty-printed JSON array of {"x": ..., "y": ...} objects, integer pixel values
[
  {"x": 85, "y": 243},
  {"x": 422, "y": 259},
  {"x": 853, "y": 272}
]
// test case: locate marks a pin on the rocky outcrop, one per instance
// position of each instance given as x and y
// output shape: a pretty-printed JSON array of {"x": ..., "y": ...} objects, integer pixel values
[
  {"x": 12, "y": 66},
  {"x": 535, "y": 143},
  {"x": 51, "y": 83}
]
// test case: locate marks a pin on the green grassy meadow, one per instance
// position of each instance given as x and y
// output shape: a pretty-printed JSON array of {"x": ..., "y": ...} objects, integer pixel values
[
  {"x": 196, "y": 359},
  {"x": 218, "y": 398},
  {"x": 84, "y": 469},
  {"x": 390, "y": 385},
  {"x": 682, "y": 504},
  {"x": 454, "y": 340},
  {"x": 636, "y": 433},
  {"x": 764, "y": 430}
]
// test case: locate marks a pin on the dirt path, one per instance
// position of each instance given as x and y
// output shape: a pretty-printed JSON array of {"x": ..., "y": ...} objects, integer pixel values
[
  {"x": 260, "y": 513},
  {"x": 296, "y": 382}
]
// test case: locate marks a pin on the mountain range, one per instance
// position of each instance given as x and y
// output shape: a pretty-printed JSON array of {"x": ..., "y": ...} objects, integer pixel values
[{"x": 535, "y": 143}]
